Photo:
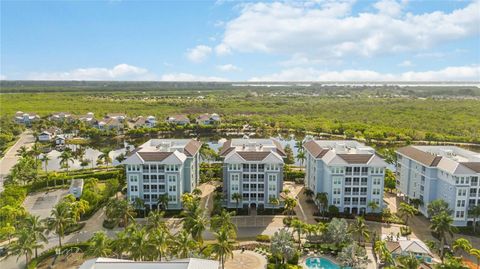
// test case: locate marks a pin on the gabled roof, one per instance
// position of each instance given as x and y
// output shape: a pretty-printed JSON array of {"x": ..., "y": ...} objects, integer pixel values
[
  {"x": 420, "y": 156},
  {"x": 226, "y": 148},
  {"x": 315, "y": 149},
  {"x": 253, "y": 155},
  {"x": 356, "y": 158},
  {"x": 154, "y": 156},
  {"x": 192, "y": 147},
  {"x": 475, "y": 166},
  {"x": 264, "y": 145}
]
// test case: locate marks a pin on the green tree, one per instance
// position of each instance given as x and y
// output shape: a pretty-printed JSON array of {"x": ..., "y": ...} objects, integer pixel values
[
  {"x": 353, "y": 256},
  {"x": 308, "y": 193},
  {"x": 442, "y": 225},
  {"x": 183, "y": 244},
  {"x": 360, "y": 229},
  {"x": 105, "y": 156},
  {"x": 160, "y": 240},
  {"x": 223, "y": 247},
  {"x": 61, "y": 218},
  {"x": 24, "y": 245},
  {"x": 224, "y": 221},
  {"x": 476, "y": 253},
  {"x": 322, "y": 201},
  {"x": 99, "y": 245},
  {"x": 139, "y": 244},
  {"x": 290, "y": 204},
  {"x": 408, "y": 262},
  {"x": 373, "y": 205},
  {"x": 289, "y": 152},
  {"x": 162, "y": 202},
  {"x": 383, "y": 252},
  {"x": 299, "y": 227},
  {"x": 139, "y": 204},
  {"x": 65, "y": 159},
  {"x": 301, "y": 157},
  {"x": 36, "y": 227},
  {"x": 461, "y": 244},
  {"x": 237, "y": 197},
  {"x": 45, "y": 160},
  {"x": 274, "y": 201},
  {"x": 407, "y": 211},
  {"x": 474, "y": 213},
  {"x": 438, "y": 206},
  {"x": 282, "y": 245}
]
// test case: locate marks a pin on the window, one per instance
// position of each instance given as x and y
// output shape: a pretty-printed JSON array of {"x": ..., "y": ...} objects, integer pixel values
[
  {"x": 272, "y": 187},
  {"x": 459, "y": 214},
  {"x": 261, "y": 196},
  {"x": 349, "y": 170},
  {"x": 356, "y": 181},
  {"x": 172, "y": 168},
  {"x": 363, "y": 201},
  {"x": 154, "y": 188},
  {"x": 474, "y": 181},
  {"x": 245, "y": 167},
  {"x": 146, "y": 188},
  {"x": 364, "y": 170},
  {"x": 261, "y": 167},
  {"x": 172, "y": 188},
  {"x": 377, "y": 181},
  {"x": 245, "y": 196},
  {"x": 473, "y": 192},
  {"x": 337, "y": 180},
  {"x": 336, "y": 191},
  {"x": 161, "y": 188},
  {"x": 348, "y": 181},
  {"x": 246, "y": 176},
  {"x": 172, "y": 179},
  {"x": 364, "y": 181},
  {"x": 234, "y": 178},
  {"x": 272, "y": 167},
  {"x": 461, "y": 203},
  {"x": 134, "y": 188},
  {"x": 146, "y": 168},
  {"x": 146, "y": 178},
  {"x": 234, "y": 167},
  {"x": 272, "y": 178},
  {"x": 346, "y": 200},
  {"x": 461, "y": 192},
  {"x": 133, "y": 178},
  {"x": 245, "y": 187},
  {"x": 146, "y": 197},
  {"x": 172, "y": 198},
  {"x": 336, "y": 201}
]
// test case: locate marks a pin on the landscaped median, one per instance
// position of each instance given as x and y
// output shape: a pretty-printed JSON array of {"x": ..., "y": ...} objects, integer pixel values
[{"x": 65, "y": 249}]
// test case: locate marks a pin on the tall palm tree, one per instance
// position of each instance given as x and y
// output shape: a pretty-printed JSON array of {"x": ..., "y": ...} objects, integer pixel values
[
  {"x": 61, "y": 218},
  {"x": 139, "y": 204},
  {"x": 126, "y": 211},
  {"x": 407, "y": 211},
  {"x": 360, "y": 229},
  {"x": 224, "y": 222},
  {"x": 162, "y": 202},
  {"x": 274, "y": 201},
  {"x": 237, "y": 197},
  {"x": 155, "y": 220},
  {"x": 160, "y": 240},
  {"x": 299, "y": 227},
  {"x": 45, "y": 160},
  {"x": 474, "y": 213},
  {"x": 105, "y": 156},
  {"x": 24, "y": 245},
  {"x": 322, "y": 201},
  {"x": 308, "y": 193},
  {"x": 183, "y": 244},
  {"x": 408, "y": 262},
  {"x": 65, "y": 158},
  {"x": 121, "y": 243},
  {"x": 139, "y": 248},
  {"x": 476, "y": 253},
  {"x": 36, "y": 151},
  {"x": 301, "y": 157},
  {"x": 84, "y": 163},
  {"x": 442, "y": 225},
  {"x": 36, "y": 227},
  {"x": 23, "y": 152},
  {"x": 223, "y": 247},
  {"x": 99, "y": 245},
  {"x": 120, "y": 158}
]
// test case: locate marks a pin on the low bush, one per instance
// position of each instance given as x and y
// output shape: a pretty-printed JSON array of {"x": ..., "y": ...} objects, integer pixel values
[
  {"x": 74, "y": 228},
  {"x": 108, "y": 224},
  {"x": 288, "y": 221},
  {"x": 263, "y": 238},
  {"x": 405, "y": 230}
]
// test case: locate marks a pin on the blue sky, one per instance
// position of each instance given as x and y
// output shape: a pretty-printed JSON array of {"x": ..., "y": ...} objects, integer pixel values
[{"x": 227, "y": 40}]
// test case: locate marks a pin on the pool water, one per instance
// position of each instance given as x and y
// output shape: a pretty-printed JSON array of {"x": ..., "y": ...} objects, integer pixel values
[{"x": 320, "y": 263}]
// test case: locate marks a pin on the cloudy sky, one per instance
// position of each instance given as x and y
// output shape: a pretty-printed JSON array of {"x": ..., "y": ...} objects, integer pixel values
[{"x": 321, "y": 40}]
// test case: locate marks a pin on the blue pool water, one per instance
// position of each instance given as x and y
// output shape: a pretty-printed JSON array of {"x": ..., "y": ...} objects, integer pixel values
[{"x": 320, "y": 263}]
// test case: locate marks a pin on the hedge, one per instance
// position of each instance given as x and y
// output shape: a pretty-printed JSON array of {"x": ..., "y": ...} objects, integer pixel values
[
  {"x": 51, "y": 252},
  {"x": 263, "y": 238}
]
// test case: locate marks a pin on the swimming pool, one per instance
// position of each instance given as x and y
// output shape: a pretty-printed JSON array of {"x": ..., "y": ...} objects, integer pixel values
[{"x": 320, "y": 263}]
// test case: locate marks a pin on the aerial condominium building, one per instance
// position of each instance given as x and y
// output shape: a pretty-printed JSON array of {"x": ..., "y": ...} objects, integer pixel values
[
  {"x": 348, "y": 172},
  {"x": 163, "y": 166},
  {"x": 449, "y": 173},
  {"x": 252, "y": 168}
]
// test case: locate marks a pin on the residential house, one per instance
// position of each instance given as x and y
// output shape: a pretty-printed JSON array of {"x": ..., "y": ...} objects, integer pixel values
[
  {"x": 142, "y": 122},
  {"x": 61, "y": 117},
  {"x": 121, "y": 117},
  {"x": 448, "y": 173},
  {"x": 208, "y": 119},
  {"x": 25, "y": 118},
  {"x": 254, "y": 169},
  {"x": 178, "y": 119},
  {"x": 348, "y": 172},
  {"x": 406, "y": 247},
  {"x": 109, "y": 124},
  {"x": 48, "y": 134},
  {"x": 163, "y": 167},
  {"x": 190, "y": 263},
  {"x": 89, "y": 118}
]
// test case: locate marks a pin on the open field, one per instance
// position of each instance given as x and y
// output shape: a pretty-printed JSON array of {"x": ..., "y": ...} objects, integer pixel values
[{"x": 390, "y": 113}]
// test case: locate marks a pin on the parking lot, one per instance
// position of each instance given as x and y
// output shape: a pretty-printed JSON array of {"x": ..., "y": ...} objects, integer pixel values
[{"x": 41, "y": 203}]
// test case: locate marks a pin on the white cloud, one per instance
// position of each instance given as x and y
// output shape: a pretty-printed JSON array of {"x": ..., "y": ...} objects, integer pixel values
[
  {"x": 459, "y": 73},
  {"x": 328, "y": 30},
  {"x": 118, "y": 72},
  {"x": 406, "y": 63},
  {"x": 199, "y": 53},
  {"x": 3, "y": 77},
  {"x": 228, "y": 68},
  {"x": 189, "y": 77}
]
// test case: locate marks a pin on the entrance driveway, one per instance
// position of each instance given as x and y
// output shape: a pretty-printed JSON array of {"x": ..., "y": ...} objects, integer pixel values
[{"x": 41, "y": 203}]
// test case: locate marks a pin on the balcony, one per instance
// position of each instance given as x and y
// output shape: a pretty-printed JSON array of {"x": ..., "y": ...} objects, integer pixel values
[
  {"x": 348, "y": 193},
  {"x": 355, "y": 193},
  {"x": 363, "y": 193}
]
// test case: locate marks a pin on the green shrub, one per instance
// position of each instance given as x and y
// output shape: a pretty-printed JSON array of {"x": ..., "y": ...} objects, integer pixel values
[
  {"x": 263, "y": 238},
  {"x": 108, "y": 224},
  {"x": 405, "y": 230}
]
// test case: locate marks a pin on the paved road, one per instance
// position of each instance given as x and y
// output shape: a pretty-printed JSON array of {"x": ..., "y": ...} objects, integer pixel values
[{"x": 10, "y": 159}]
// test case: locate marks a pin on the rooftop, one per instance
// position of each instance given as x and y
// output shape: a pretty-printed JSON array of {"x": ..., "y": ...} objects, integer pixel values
[
  {"x": 161, "y": 149},
  {"x": 107, "y": 263}
]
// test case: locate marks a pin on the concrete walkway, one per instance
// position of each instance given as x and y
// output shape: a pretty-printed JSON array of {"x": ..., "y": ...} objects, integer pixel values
[{"x": 10, "y": 159}]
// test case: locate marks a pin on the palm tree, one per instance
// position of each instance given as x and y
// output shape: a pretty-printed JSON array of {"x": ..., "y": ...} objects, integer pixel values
[
  {"x": 407, "y": 211},
  {"x": 120, "y": 158},
  {"x": 461, "y": 244},
  {"x": 442, "y": 225},
  {"x": 301, "y": 157},
  {"x": 223, "y": 247},
  {"x": 383, "y": 253},
  {"x": 36, "y": 151},
  {"x": 99, "y": 245},
  {"x": 408, "y": 262},
  {"x": 121, "y": 243},
  {"x": 160, "y": 239},
  {"x": 139, "y": 248},
  {"x": 105, "y": 157},
  {"x": 373, "y": 205},
  {"x": 322, "y": 201},
  {"x": 290, "y": 204},
  {"x": 60, "y": 219},
  {"x": 274, "y": 201},
  {"x": 65, "y": 159},
  {"x": 476, "y": 253},
  {"x": 184, "y": 244},
  {"x": 224, "y": 222},
  {"x": 299, "y": 227},
  {"x": 237, "y": 197},
  {"x": 155, "y": 220},
  {"x": 308, "y": 193},
  {"x": 299, "y": 145},
  {"x": 127, "y": 212},
  {"x": 36, "y": 228},
  {"x": 360, "y": 229},
  {"x": 139, "y": 204},
  {"x": 23, "y": 152},
  {"x": 24, "y": 245},
  {"x": 162, "y": 202},
  {"x": 474, "y": 213},
  {"x": 194, "y": 221},
  {"x": 84, "y": 163},
  {"x": 45, "y": 160}
]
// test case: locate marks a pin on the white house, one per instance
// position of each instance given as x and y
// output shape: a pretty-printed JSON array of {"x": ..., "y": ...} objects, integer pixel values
[
  {"x": 25, "y": 118},
  {"x": 208, "y": 119},
  {"x": 178, "y": 119}
]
